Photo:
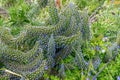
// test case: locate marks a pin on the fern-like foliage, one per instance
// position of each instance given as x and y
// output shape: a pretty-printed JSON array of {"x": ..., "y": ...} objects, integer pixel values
[
  {"x": 51, "y": 52},
  {"x": 85, "y": 27},
  {"x": 53, "y": 12},
  {"x": 82, "y": 64},
  {"x": 31, "y": 63}
]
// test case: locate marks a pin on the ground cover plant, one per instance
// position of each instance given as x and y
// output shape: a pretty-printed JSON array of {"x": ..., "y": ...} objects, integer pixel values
[{"x": 70, "y": 40}]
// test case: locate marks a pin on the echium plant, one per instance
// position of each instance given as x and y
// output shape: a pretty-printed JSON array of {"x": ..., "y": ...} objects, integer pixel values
[
  {"x": 42, "y": 48},
  {"x": 51, "y": 52},
  {"x": 53, "y": 12}
]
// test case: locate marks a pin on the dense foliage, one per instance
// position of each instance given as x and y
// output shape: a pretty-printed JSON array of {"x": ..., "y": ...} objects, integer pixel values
[{"x": 78, "y": 41}]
